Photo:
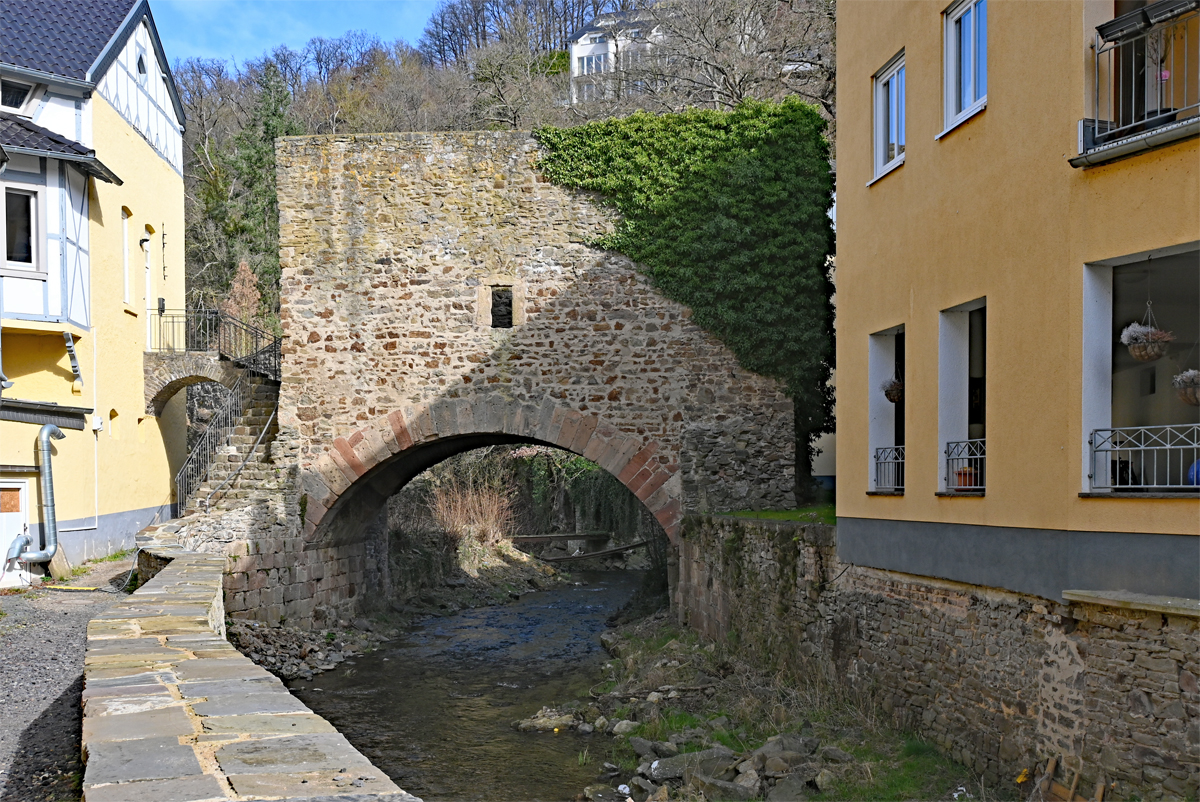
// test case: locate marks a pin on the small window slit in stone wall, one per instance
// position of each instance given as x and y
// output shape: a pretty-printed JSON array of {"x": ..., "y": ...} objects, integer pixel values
[{"x": 502, "y": 307}]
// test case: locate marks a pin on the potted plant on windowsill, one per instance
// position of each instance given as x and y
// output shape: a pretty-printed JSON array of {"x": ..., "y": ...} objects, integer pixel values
[
  {"x": 1146, "y": 342},
  {"x": 893, "y": 389},
  {"x": 1187, "y": 386}
]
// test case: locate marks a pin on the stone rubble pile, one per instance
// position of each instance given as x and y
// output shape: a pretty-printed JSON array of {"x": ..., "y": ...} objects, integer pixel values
[
  {"x": 292, "y": 653},
  {"x": 786, "y": 767}
]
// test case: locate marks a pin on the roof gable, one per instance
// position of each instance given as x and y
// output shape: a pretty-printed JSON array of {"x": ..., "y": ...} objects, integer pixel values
[{"x": 78, "y": 39}]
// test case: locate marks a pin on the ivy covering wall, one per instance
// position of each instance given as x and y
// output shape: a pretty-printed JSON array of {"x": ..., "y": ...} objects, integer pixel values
[{"x": 727, "y": 212}]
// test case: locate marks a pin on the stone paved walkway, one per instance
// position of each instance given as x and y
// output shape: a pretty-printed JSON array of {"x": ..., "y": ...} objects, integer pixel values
[{"x": 173, "y": 713}]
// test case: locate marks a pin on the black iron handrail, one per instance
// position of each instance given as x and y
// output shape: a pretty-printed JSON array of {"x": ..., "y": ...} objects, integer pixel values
[{"x": 248, "y": 346}]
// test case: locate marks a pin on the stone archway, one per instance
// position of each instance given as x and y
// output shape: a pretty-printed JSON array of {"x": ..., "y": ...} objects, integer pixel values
[
  {"x": 351, "y": 481},
  {"x": 168, "y": 373}
]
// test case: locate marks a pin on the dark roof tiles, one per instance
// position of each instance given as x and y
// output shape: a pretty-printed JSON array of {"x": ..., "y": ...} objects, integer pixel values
[
  {"x": 17, "y": 132},
  {"x": 61, "y": 37}
]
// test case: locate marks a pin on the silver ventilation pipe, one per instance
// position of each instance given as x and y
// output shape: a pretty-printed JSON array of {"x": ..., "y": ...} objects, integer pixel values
[{"x": 49, "y": 521}]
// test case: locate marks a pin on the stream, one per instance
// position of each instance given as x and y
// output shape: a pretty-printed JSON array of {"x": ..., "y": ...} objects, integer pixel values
[{"x": 434, "y": 708}]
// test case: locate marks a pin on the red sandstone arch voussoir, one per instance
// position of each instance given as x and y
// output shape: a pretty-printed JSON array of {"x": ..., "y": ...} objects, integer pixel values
[{"x": 633, "y": 461}]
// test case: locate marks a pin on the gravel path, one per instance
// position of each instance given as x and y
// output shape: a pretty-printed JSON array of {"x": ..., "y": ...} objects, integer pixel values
[{"x": 42, "y": 641}]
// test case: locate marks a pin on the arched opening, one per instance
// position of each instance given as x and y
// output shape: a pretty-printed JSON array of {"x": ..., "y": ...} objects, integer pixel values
[
  {"x": 114, "y": 424},
  {"x": 488, "y": 631}
]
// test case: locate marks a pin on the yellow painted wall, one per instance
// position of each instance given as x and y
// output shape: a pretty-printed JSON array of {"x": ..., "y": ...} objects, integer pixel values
[
  {"x": 993, "y": 210},
  {"x": 130, "y": 466}
]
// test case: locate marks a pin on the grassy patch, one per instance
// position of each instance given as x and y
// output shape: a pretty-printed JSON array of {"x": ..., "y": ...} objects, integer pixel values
[
  {"x": 114, "y": 557},
  {"x": 818, "y": 513},
  {"x": 890, "y": 770}
]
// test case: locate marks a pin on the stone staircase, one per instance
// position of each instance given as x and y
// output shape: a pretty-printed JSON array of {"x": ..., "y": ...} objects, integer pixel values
[{"x": 242, "y": 468}]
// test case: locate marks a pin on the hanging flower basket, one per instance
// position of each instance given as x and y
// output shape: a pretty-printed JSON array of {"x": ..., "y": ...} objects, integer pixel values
[
  {"x": 893, "y": 390},
  {"x": 1187, "y": 386},
  {"x": 1146, "y": 342}
]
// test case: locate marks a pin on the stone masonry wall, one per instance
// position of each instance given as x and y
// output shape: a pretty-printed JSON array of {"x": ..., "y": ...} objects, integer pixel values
[
  {"x": 390, "y": 247},
  {"x": 999, "y": 681}
]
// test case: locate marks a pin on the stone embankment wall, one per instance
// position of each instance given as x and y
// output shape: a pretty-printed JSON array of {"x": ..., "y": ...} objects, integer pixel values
[
  {"x": 173, "y": 711},
  {"x": 391, "y": 247},
  {"x": 273, "y": 575},
  {"x": 998, "y": 680}
]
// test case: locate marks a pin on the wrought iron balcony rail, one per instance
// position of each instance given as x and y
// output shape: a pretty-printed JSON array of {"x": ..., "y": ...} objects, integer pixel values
[
  {"x": 1146, "y": 75},
  {"x": 189, "y": 330},
  {"x": 889, "y": 469},
  {"x": 1145, "y": 458},
  {"x": 965, "y": 466},
  {"x": 212, "y": 330}
]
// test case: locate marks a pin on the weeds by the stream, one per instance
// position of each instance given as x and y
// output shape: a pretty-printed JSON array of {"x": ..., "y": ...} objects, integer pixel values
[{"x": 708, "y": 688}]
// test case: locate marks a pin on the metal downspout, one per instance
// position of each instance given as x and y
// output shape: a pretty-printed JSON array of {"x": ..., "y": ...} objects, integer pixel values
[{"x": 49, "y": 521}]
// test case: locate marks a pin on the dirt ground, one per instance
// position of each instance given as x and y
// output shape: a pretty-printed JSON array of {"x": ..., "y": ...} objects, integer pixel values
[{"x": 42, "y": 641}]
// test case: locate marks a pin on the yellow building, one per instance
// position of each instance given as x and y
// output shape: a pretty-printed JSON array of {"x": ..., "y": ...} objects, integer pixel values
[
  {"x": 91, "y": 127},
  {"x": 1018, "y": 183}
]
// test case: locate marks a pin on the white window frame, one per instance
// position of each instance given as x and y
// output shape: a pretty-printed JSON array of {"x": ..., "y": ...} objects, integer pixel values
[
  {"x": 592, "y": 64},
  {"x": 36, "y": 234},
  {"x": 892, "y": 71},
  {"x": 953, "y": 116}
]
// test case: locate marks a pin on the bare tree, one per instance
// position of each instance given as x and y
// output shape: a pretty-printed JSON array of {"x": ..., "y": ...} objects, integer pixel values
[{"x": 717, "y": 53}]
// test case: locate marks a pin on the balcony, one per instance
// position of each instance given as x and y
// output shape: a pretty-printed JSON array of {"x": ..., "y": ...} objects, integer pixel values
[
  {"x": 1146, "y": 82},
  {"x": 1146, "y": 459},
  {"x": 965, "y": 462},
  {"x": 889, "y": 470}
]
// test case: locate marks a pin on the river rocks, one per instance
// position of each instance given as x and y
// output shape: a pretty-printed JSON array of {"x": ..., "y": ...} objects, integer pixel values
[
  {"x": 643, "y": 748},
  {"x": 545, "y": 720},
  {"x": 603, "y": 793},
  {"x": 665, "y": 749},
  {"x": 601, "y": 724},
  {"x": 624, "y": 727},
  {"x": 713, "y": 788},
  {"x": 672, "y": 768},
  {"x": 654, "y": 697},
  {"x": 789, "y": 789},
  {"x": 293, "y": 653},
  {"x": 835, "y": 755},
  {"x": 825, "y": 780}
]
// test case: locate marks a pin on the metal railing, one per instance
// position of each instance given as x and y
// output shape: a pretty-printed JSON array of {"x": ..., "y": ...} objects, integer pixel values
[
  {"x": 211, "y": 330},
  {"x": 1146, "y": 458},
  {"x": 1147, "y": 76},
  {"x": 191, "y": 330},
  {"x": 195, "y": 468},
  {"x": 248, "y": 347},
  {"x": 965, "y": 462},
  {"x": 889, "y": 468}
]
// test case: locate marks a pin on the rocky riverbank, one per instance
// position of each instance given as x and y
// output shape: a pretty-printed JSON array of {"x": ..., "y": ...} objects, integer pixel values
[
  {"x": 681, "y": 719},
  {"x": 476, "y": 577}
]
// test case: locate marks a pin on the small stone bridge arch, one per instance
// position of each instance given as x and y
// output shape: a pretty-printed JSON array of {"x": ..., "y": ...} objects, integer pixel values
[
  {"x": 393, "y": 250},
  {"x": 168, "y": 372}
]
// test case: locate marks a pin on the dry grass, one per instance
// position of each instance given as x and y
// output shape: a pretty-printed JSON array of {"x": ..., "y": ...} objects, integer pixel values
[{"x": 469, "y": 510}]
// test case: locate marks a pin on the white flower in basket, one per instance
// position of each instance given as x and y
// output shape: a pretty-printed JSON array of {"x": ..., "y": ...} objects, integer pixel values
[
  {"x": 1146, "y": 342},
  {"x": 1187, "y": 386}
]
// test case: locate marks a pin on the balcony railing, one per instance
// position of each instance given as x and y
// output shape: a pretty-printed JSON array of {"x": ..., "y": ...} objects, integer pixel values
[
  {"x": 1143, "y": 458},
  {"x": 1147, "y": 75},
  {"x": 889, "y": 469},
  {"x": 212, "y": 330},
  {"x": 965, "y": 462}
]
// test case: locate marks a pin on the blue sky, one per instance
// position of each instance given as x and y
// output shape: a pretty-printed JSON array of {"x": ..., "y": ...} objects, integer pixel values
[{"x": 244, "y": 29}]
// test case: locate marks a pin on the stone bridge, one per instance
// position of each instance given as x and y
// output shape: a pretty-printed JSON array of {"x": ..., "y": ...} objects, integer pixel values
[
  {"x": 168, "y": 372},
  {"x": 439, "y": 294}
]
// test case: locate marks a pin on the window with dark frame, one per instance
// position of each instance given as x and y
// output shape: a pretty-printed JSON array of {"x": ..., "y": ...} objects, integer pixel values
[
  {"x": 13, "y": 95},
  {"x": 502, "y": 307}
]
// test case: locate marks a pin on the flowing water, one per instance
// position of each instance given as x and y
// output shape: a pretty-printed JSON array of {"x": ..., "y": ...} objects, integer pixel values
[{"x": 434, "y": 708}]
